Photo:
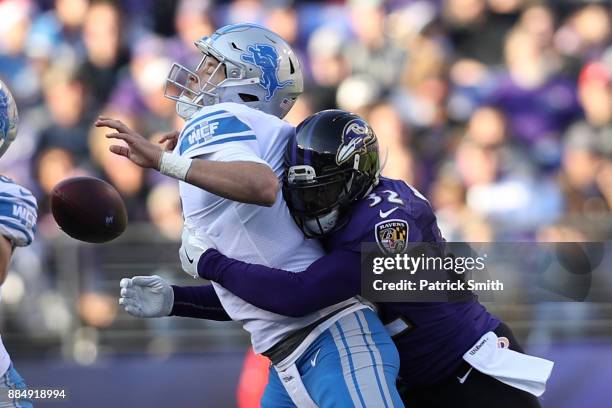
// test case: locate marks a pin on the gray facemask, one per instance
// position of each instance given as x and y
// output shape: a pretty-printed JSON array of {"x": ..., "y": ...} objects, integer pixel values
[{"x": 185, "y": 107}]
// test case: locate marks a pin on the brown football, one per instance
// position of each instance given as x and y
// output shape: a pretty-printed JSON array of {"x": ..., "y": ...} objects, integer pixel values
[{"x": 88, "y": 209}]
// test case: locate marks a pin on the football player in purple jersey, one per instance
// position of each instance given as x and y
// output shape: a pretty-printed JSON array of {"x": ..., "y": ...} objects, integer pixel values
[{"x": 334, "y": 192}]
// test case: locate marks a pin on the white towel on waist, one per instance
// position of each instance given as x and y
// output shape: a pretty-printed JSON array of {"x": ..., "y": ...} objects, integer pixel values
[{"x": 527, "y": 373}]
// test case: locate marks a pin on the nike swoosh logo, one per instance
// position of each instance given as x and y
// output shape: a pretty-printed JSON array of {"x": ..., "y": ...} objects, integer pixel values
[
  {"x": 462, "y": 379},
  {"x": 313, "y": 361},
  {"x": 386, "y": 213},
  {"x": 188, "y": 258}
]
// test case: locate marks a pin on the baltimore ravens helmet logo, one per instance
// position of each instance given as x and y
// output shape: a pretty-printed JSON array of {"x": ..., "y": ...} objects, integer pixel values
[
  {"x": 356, "y": 136},
  {"x": 266, "y": 59},
  {"x": 392, "y": 236}
]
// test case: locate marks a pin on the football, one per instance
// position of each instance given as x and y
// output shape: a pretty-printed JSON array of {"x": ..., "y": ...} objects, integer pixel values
[{"x": 88, "y": 209}]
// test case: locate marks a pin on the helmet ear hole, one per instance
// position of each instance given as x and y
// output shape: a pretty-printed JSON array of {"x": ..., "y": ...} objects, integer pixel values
[
  {"x": 248, "y": 97},
  {"x": 291, "y": 67}
]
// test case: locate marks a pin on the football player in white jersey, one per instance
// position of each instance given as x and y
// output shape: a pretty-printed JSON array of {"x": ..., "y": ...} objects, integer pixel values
[
  {"x": 228, "y": 159},
  {"x": 18, "y": 213}
]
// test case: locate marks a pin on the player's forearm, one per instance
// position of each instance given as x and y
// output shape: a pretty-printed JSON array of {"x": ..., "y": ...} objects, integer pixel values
[
  {"x": 329, "y": 280},
  {"x": 200, "y": 302},
  {"x": 6, "y": 250},
  {"x": 247, "y": 182}
]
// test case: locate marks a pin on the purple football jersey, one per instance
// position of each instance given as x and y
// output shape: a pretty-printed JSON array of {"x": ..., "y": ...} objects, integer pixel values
[{"x": 436, "y": 335}]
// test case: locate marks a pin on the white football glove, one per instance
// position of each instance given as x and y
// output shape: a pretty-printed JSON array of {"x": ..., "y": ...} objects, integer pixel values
[
  {"x": 192, "y": 248},
  {"x": 146, "y": 296}
]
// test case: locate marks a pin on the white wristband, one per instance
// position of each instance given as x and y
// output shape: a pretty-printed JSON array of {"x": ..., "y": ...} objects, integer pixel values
[{"x": 174, "y": 166}]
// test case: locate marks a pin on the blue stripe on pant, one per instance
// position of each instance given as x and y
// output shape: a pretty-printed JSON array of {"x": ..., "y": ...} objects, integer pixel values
[
  {"x": 352, "y": 364},
  {"x": 11, "y": 380}
]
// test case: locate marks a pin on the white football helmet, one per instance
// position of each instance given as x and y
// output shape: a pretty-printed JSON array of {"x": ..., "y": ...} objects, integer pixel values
[
  {"x": 9, "y": 118},
  {"x": 261, "y": 71}
]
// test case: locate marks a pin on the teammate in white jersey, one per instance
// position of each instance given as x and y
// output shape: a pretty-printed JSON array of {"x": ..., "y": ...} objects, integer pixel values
[
  {"x": 229, "y": 157},
  {"x": 18, "y": 212}
]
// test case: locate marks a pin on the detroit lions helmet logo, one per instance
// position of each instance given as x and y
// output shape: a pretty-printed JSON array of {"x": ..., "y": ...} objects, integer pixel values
[
  {"x": 356, "y": 136},
  {"x": 267, "y": 60}
]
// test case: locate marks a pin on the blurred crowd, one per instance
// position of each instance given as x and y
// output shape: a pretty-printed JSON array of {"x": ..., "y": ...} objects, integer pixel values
[{"x": 499, "y": 111}]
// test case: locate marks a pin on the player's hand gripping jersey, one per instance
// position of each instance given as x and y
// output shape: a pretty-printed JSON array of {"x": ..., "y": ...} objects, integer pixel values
[
  {"x": 17, "y": 224},
  {"x": 267, "y": 236}
]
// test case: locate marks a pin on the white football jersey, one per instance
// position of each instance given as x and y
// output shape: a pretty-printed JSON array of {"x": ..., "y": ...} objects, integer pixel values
[
  {"x": 18, "y": 211},
  {"x": 251, "y": 233}
]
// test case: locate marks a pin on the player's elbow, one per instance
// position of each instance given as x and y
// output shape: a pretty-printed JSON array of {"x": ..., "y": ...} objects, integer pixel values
[
  {"x": 266, "y": 190},
  {"x": 271, "y": 193}
]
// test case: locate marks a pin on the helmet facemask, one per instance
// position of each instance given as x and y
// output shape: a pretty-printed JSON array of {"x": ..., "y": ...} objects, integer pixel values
[
  {"x": 187, "y": 88},
  {"x": 318, "y": 203}
]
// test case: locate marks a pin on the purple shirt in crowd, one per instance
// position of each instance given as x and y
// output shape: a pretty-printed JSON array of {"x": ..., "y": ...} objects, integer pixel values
[{"x": 539, "y": 112}]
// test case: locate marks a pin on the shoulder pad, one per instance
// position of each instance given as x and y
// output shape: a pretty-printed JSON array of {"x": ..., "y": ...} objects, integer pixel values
[{"x": 18, "y": 213}]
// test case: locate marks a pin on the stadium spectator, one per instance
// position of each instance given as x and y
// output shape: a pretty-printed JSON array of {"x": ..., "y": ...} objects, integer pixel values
[
  {"x": 15, "y": 66},
  {"x": 56, "y": 34},
  {"x": 164, "y": 207},
  {"x": 595, "y": 94},
  {"x": 328, "y": 65},
  {"x": 582, "y": 162},
  {"x": 68, "y": 122},
  {"x": 105, "y": 52},
  {"x": 585, "y": 34},
  {"x": 538, "y": 102},
  {"x": 468, "y": 19},
  {"x": 372, "y": 54},
  {"x": 500, "y": 183},
  {"x": 192, "y": 21},
  {"x": 394, "y": 143},
  {"x": 585, "y": 174},
  {"x": 358, "y": 94}
]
